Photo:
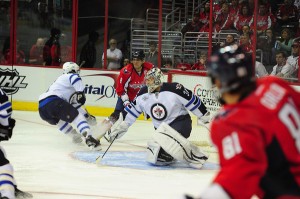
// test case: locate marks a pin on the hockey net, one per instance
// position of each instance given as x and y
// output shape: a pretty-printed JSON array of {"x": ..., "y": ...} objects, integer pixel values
[{"x": 201, "y": 85}]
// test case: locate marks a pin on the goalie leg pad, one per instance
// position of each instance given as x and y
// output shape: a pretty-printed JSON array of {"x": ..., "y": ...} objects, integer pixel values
[
  {"x": 178, "y": 146},
  {"x": 157, "y": 156}
]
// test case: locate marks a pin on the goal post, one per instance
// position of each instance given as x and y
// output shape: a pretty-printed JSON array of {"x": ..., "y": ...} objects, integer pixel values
[{"x": 201, "y": 85}]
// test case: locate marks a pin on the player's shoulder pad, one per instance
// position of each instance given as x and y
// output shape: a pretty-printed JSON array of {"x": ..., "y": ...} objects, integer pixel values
[
  {"x": 127, "y": 69},
  {"x": 177, "y": 88}
]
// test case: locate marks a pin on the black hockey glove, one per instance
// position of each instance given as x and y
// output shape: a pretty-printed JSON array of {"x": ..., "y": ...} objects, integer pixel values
[{"x": 6, "y": 131}]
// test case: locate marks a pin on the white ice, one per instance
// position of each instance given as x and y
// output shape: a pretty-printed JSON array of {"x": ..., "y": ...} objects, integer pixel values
[{"x": 43, "y": 166}]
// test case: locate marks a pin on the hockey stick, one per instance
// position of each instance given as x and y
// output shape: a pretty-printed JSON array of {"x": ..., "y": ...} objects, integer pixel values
[
  {"x": 81, "y": 64},
  {"x": 99, "y": 158},
  {"x": 203, "y": 125}
]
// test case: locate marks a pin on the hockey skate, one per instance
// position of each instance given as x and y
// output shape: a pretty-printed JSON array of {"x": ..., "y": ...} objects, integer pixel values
[
  {"x": 22, "y": 194},
  {"x": 76, "y": 137},
  {"x": 92, "y": 143}
]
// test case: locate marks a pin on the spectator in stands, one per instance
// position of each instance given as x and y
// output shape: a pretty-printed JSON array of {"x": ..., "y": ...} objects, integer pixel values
[
  {"x": 88, "y": 52},
  {"x": 201, "y": 63},
  {"x": 52, "y": 55},
  {"x": 287, "y": 14},
  {"x": 114, "y": 56},
  {"x": 224, "y": 20},
  {"x": 230, "y": 40},
  {"x": 247, "y": 30},
  {"x": 282, "y": 68},
  {"x": 152, "y": 55},
  {"x": 168, "y": 64},
  {"x": 293, "y": 59},
  {"x": 217, "y": 7},
  {"x": 245, "y": 43},
  {"x": 20, "y": 55},
  {"x": 56, "y": 51},
  {"x": 266, "y": 42},
  {"x": 265, "y": 19},
  {"x": 234, "y": 7},
  {"x": 192, "y": 26},
  {"x": 260, "y": 69},
  {"x": 285, "y": 42},
  {"x": 204, "y": 15},
  {"x": 36, "y": 52},
  {"x": 66, "y": 49},
  {"x": 245, "y": 17},
  {"x": 126, "y": 62}
]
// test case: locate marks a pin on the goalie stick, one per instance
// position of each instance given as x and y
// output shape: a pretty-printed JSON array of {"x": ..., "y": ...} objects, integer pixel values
[{"x": 99, "y": 158}]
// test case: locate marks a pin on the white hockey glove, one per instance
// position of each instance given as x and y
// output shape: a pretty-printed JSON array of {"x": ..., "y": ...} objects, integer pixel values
[
  {"x": 119, "y": 130},
  {"x": 206, "y": 118},
  {"x": 125, "y": 99}
]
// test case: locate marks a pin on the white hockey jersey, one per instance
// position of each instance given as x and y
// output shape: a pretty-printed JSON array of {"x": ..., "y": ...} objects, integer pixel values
[
  {"x": 171, "y": 101},
  {"x": 64, "y": 86}
]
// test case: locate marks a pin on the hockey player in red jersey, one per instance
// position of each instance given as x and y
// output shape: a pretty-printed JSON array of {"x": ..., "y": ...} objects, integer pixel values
[
  {"x": 129, "y": 82},
  {"x": 257, "y": 132}
]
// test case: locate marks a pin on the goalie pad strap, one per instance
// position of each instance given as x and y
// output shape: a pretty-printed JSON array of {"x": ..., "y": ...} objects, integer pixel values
[{"x": 178, "y": 146}]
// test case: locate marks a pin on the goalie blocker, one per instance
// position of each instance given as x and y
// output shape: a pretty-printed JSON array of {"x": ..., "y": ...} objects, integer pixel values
[{"x": 177, "y": 146}]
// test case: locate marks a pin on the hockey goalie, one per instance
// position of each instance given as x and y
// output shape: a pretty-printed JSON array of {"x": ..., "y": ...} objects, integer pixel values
[{"x": 167, "y": 104}]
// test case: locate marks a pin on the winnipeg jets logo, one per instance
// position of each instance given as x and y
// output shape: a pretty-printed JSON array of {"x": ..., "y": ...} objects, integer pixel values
[{"x": 158, "y": 111}]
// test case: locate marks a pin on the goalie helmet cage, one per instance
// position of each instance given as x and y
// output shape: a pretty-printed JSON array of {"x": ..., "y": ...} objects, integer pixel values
[{"x": 200, "y": 84}]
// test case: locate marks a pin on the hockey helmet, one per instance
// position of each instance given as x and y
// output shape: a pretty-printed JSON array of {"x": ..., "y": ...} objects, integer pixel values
[
  {"x": 138, "y": 55},
  {"x": 71, "y": 67},
  {"x": 232, "y": 67},
  {"x": 157, "y": 76}
]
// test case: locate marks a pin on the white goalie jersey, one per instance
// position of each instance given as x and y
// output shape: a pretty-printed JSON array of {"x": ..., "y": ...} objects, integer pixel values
[
  {"x": 171, "y": 101},
  {"x": 64, "y": 86}
]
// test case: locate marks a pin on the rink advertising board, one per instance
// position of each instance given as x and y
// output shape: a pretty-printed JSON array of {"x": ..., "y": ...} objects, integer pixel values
[{"x": 25, "y": 84}]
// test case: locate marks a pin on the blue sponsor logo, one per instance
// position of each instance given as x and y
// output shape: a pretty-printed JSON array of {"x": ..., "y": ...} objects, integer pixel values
[{"x": 104, "y": 91}]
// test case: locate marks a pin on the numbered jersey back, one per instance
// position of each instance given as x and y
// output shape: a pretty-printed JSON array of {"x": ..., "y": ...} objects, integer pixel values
[{"x": 259, "y": 139}]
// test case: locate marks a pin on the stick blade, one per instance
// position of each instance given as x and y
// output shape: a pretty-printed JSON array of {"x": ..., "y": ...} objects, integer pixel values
[{"x": 98, "y": 161}]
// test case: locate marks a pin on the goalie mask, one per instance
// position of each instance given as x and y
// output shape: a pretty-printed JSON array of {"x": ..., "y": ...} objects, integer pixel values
[
  {"x": 71, "y": 67},
  {"x": 154, "y": 79}
]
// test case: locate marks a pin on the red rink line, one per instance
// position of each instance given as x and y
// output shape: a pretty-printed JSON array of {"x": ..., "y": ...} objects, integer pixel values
[{"x": 75, "y": 194}]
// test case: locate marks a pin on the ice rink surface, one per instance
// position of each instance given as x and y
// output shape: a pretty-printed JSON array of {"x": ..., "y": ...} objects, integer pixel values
[{"x": 49, "y": 165}]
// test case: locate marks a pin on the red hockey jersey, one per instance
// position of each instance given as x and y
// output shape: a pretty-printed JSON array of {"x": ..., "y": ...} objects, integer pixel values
[
  {"x": 130, "y": 81},
  {"x": 258, "y": 141}
]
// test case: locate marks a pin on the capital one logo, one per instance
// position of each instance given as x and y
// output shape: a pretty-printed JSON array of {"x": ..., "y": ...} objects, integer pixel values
[{"x": 11, "y": 81}]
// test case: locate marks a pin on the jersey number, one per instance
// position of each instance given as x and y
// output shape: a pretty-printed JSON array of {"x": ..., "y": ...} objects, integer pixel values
[
  {"x": 291, "y": 119},
  {"x": 231, "y": 145}
]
